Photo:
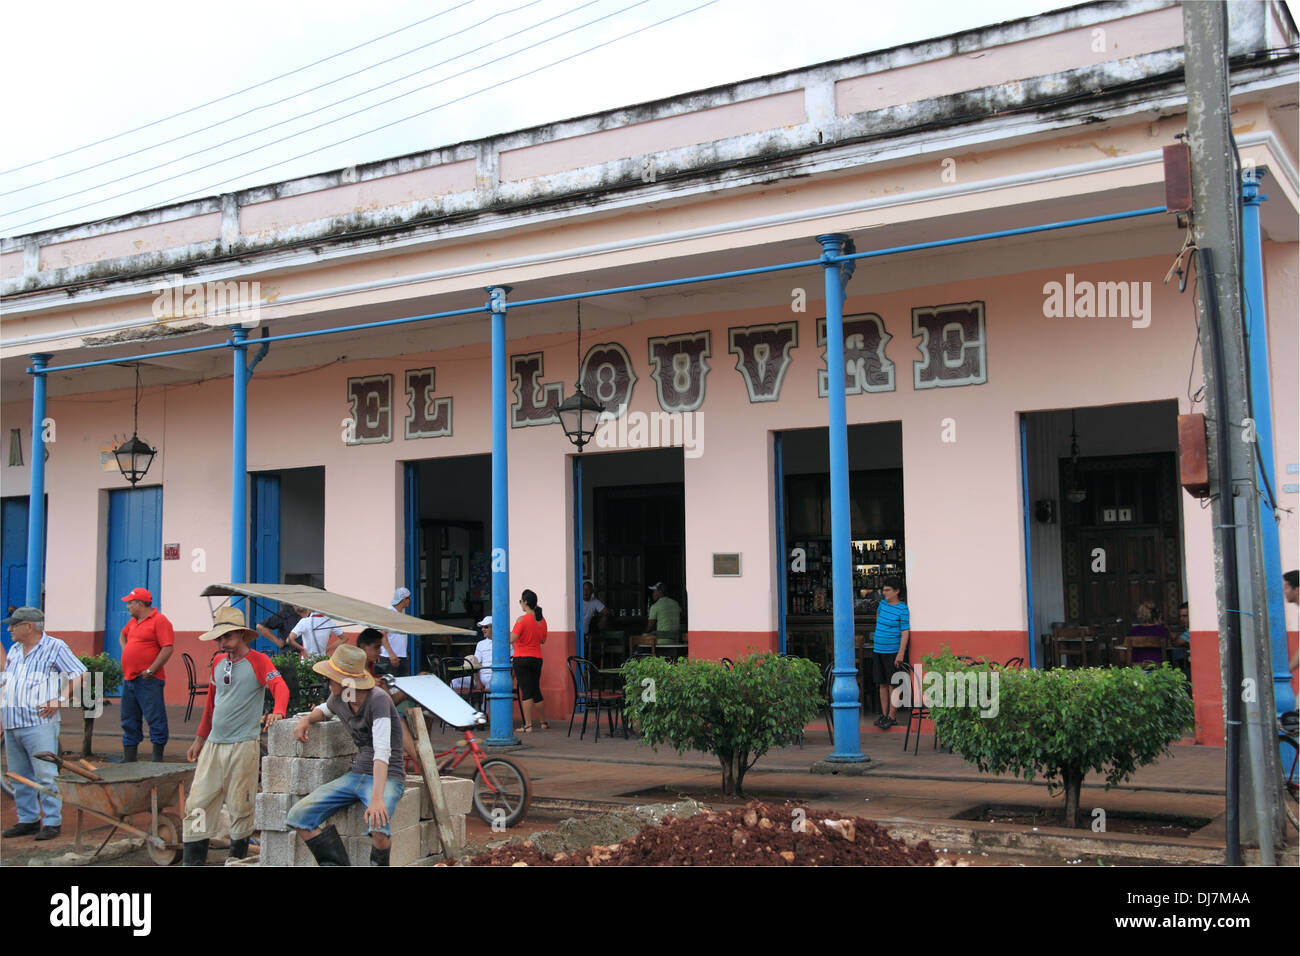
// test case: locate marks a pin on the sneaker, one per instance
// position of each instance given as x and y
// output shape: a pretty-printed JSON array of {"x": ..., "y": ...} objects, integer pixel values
[
  {"x": 49, "y": 833},
  {"x": 887, "y": 722},
  {"x": 879, "y": 721},
  {"x": 21, "y": 829}
]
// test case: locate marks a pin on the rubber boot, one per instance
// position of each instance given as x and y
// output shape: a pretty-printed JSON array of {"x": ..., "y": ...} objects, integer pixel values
[
  {"x": 327, "y": 847},
  {"x": 379, "y": 857},
  {"x": 158, "y": 752},
  {"x": 130, "y": 754},
  {"x": 238, "y": 849},
  {"x": 196, "y": 853}
]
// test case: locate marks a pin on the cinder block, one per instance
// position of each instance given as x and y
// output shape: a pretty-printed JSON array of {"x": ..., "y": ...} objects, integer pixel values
[
  {"x": 308, "y": 773},
  {"x": 270, "y": 810},
  {"x": 275, "y": 774},
  {"x": 284, "y": 849},
  {"x": 431, "y": 842},
  {"x": 405, "y": 849},
  {"x": 457, "y": 791},
  {"x": 329, "y": 738}
]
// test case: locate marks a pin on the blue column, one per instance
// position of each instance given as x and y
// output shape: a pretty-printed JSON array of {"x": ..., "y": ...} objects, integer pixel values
[
  {"x": 501, "y": 691},
  {"x": 579, "y": 631},
  {"x": 845, "y": 706},
  {"x": 1256, "y": 322},
  {"x": 36, "y": 501},
  {"x": 239, "y": 460}
]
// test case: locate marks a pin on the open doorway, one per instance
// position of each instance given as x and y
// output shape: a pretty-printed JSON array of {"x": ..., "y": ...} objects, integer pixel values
[
  {"x": 287, "y": 534},
  {"x": 449, "y": 523}
]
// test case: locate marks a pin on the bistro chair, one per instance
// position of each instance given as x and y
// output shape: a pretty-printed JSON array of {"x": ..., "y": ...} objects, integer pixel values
[
  {"x": 1071, "y": 644},
  {"x": 637, "y": 643},
  {"x": 1014, "y": 663},
  {"x": 589, "y": 695},
  {"x": 728, "y": 663},
  {"x": 918, "y": 711},
  {"x": 196, "y": 689}
]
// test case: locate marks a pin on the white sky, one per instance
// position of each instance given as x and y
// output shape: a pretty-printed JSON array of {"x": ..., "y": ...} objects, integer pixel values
[{"x": 81, "y": 71}]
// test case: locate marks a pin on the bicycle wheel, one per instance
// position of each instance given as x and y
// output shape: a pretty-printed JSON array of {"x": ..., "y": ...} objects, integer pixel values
[{"x": 502, "y": 792}]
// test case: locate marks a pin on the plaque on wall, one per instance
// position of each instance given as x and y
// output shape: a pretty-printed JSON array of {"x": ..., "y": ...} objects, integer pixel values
[{"x": 726, "y": 565}]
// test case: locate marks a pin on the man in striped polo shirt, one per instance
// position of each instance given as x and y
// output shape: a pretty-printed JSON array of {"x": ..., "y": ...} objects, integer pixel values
[{"x": 30, "y": 698}]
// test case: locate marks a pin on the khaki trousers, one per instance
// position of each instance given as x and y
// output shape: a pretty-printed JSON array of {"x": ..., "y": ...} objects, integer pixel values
[{"x": 227, "y": 774}]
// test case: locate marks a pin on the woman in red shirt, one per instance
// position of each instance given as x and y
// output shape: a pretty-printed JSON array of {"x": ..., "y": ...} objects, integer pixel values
[{"x": 526, "y": 640}]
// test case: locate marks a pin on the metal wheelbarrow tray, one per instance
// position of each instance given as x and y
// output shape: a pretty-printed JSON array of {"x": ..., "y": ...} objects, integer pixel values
[{"x": 125, "y": 789}]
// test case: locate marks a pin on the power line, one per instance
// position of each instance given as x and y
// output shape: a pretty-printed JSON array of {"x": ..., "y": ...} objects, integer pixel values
[
  {"x": 246, "y": 89},
  {"x": 230, "y": 119},
  {"x": 282, "y": 123},
  {"x": 373, "y": 106}
]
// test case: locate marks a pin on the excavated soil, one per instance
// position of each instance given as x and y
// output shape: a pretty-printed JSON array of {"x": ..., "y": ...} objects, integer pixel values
[{"x": 758, "y": 834}]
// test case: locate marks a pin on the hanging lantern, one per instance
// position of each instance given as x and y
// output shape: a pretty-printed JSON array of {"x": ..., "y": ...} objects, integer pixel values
[
  {"x": 134, "y": 456},
  {"x": 579, "y": 413}
]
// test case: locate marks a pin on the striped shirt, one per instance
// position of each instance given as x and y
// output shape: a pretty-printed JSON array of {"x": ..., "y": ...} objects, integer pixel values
[
  {"x": 891, "y": 621},
  {"x": 32, "y": 678}
]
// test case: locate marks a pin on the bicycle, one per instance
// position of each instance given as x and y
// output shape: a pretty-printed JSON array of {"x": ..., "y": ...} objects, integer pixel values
[
  {"x": 1286, "y": 737},
  {"x": 502, "y": 790}
]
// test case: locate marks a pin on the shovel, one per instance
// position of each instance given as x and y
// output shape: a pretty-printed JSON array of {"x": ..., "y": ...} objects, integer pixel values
[{"x": 64, "y": 765}]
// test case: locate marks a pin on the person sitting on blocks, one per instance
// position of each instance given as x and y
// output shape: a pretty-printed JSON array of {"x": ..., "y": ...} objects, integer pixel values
[{"x": 376, "y": 778}]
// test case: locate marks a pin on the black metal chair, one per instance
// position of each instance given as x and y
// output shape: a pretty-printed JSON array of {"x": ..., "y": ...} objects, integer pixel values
[
  {"x": 588, "y": 694},
  {"x": 196, "y": 689},
  {"x": 1014, "y": 663},
  {"x": 918, "y": 711},
  {"x": 827, "y": 679},
  {"x": 728, "y": 663}
]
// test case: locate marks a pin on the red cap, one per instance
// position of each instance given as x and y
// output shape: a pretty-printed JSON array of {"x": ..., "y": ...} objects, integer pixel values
[{"x": 139, "y": 594}]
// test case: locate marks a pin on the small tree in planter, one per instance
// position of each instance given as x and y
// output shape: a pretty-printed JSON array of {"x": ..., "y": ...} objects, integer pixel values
[
  {"x": 111, "y": 670},
  {"x": 1062, "y": 724},
  {"x": 304, "y": 684},
  {"x": 737, "y": 715}
]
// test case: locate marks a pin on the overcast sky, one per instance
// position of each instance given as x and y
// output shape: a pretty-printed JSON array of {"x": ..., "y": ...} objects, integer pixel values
[{"x": 82, "y": 71}]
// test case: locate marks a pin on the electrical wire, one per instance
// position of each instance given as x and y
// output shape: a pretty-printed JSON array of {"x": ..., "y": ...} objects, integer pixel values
[
  {"x": 356, "y": 113},
  {"x": 247, "y": 89},
  {"x": 264, "y": 106}
]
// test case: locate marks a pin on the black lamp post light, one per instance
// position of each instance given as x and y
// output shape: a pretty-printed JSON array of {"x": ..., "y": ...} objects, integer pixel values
[
  {"x": 579, "y": 413},
  {"x": 134, "y": 456}
]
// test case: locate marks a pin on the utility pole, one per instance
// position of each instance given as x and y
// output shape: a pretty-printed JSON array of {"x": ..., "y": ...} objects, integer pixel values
[{"x": 1252, "y": 770}]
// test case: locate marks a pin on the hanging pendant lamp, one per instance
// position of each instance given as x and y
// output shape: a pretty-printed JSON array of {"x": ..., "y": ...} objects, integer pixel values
[
  {"x": 134, "y": 456},
  {"x": 579, "y": 413}
]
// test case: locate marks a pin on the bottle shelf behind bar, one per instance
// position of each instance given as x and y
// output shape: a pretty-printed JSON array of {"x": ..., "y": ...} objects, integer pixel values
[{"x": 811, "y": 591}]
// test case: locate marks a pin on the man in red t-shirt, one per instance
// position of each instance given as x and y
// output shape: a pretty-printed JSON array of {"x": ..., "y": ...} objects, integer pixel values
[{"x": 147, "y": 643}]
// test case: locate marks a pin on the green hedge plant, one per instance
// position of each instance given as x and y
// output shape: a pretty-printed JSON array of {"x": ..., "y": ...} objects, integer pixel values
[
  {"x": 1064, "y": 724},
  {"x": 737, "y": 715}
]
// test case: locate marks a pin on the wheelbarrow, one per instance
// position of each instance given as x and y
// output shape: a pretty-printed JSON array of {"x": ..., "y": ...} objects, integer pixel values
[{"x": 116, "y": 792}]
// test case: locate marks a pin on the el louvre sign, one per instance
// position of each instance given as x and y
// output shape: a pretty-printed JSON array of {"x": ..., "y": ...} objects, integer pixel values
[{"x": 952, "y": 347}]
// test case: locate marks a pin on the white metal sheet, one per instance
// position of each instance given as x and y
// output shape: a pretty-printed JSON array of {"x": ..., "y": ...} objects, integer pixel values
[{"x": 435, "y": 696}]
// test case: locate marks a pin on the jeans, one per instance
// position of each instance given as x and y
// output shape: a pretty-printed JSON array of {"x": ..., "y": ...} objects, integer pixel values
[
  {"x": 143, "y": 697},
  {"x": 20, "y": 744},
  {"x": 329, "y": 798}
]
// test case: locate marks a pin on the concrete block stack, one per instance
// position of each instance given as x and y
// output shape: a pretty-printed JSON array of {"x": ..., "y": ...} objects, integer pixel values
[{"x": 293, "y": 769}]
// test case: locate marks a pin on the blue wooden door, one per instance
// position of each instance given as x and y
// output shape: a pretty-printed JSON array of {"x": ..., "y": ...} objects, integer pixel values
[
  {"x": 13, "y": 556},
  {"x": 134, "y": 555},
  {"x": 264, "y": 561}
]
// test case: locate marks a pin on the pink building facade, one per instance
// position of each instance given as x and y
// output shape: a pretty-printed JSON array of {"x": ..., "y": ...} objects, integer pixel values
[{"x": 970, "y": 365}]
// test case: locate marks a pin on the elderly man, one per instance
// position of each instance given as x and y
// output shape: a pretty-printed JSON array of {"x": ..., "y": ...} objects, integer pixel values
[
  {"x": 394, "y": 649},
  {"x": 228, "y": 743},
  {"x": 29, "y": 708},
  {"x": 147, "y": 642}
]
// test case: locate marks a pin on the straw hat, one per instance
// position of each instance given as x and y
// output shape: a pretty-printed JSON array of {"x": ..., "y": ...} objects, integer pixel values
[
  {"x": 347, "y": 665},
  {"x": 228, "y": 619}
]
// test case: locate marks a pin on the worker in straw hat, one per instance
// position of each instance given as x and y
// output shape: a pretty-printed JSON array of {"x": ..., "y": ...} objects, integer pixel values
[
  {"x": 376, "y": 778},
  {"x": 228, "y": 746}
]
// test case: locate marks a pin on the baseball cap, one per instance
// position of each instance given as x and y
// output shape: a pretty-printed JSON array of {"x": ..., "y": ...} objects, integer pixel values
[
  {"x": 139, "y": 594},
  {"x": 25, "y": 614},
  {"x": 486, "y": 622},
  {"x": 659, "y": 587},
  {"x": 400, "y": 595}
]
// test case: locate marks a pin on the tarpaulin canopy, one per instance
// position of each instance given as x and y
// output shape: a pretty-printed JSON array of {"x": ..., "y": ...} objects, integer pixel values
[{"x": 341, "y": 608}]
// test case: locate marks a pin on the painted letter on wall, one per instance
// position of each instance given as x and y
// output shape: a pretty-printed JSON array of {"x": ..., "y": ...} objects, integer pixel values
[
  {"x": 426, "y": 416},
  {"x": 534, "y": 402},
  {"x": 762, "y": 357},
  {"x": 865, "y": 367},
  {"x": 607, "y": 377},
  {"x": 372, "y": 409},
  {"x": 953, "y": 350},
  {"x": 678, "y": 368}
]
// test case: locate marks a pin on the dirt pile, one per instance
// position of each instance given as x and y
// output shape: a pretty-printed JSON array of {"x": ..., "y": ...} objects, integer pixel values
[{"x": 758, "y": 834}]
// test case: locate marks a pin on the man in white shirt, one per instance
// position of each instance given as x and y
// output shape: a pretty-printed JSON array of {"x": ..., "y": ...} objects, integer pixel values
[
  {"x": 591, "y": 606},
  {"x": 483, "y": 653},
  {"x": 315, "y": 635},
  {"x": 394, "y": 649}
]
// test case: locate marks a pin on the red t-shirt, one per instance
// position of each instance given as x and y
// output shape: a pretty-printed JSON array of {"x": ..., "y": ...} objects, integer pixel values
[
  {"x": 144, "y": 639},
  {"x": 530, "y": 635}
]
